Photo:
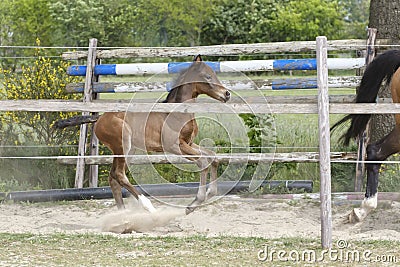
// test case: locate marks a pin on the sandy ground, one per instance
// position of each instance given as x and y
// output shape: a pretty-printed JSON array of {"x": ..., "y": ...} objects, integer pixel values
[{"x": 231, "y": 215}]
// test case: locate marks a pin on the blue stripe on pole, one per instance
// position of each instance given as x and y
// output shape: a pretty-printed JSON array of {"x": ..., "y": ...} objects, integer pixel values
[
  {"x": 110, "y": 69},
  {"x": 105, "y": 69},
  {"x": 301, "y": 83},
  {"x": 176, "y": 67},
  {"x": 295, "y": 64},
  {"x": 76, "y": 70}
]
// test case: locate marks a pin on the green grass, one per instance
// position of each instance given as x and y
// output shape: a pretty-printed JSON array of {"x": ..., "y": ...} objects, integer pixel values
[{"x": 110, "y": 250}]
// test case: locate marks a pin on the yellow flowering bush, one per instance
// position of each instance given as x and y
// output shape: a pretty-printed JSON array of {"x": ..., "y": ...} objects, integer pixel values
[
  {"x": 44, "y": 79},
  {"x": 31, "y": 133}
]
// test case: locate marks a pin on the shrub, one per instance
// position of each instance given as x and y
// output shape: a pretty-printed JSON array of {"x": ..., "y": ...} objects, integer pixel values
[{"x": 31, "y": 133}]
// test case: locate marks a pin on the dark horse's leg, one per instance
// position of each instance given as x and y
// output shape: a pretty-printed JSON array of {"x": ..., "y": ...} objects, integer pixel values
[{"x": 378, "y": 151}]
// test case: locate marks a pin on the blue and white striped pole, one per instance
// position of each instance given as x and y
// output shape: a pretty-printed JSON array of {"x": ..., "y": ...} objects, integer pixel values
[{"x": 223, "y": 66}]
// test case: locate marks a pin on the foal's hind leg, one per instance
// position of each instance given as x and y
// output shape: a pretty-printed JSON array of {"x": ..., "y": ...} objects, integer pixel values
[
  {"x": 116, "y": 190},
  {"x": 115, "y": 134},
  {"x": 378, "y": 151}
]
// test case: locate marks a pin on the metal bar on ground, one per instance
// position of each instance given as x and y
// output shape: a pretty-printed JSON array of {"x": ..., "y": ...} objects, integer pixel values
[{"x": 168, "y": 189}]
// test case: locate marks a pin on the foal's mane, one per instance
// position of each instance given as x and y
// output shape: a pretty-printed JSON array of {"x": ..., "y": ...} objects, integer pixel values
[{"x": 177, "y": 83}]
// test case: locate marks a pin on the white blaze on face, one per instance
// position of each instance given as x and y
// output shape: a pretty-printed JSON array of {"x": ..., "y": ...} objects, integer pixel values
[{"x": 146, "y": 203}]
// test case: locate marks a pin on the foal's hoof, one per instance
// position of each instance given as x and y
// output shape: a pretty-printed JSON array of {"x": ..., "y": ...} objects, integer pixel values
[
  {"x": 190, "y": 209},
  {"x": 210, "y": 194},
  {"x": 355, "y": 216},
  {"x": 146, "y": 204}
]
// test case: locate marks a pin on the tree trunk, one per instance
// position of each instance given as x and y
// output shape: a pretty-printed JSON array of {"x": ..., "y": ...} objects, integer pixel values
[{"x": 385, "y": 17}]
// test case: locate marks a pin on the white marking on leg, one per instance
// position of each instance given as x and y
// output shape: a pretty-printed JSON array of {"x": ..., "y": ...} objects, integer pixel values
[
  {"x": 201, "y": 194},
  {"x": 212, "y": 190},
  {"x": 146, "y": 203},
  {"x": 367, "y": 205},
  {"x": 370, "y": 203}
]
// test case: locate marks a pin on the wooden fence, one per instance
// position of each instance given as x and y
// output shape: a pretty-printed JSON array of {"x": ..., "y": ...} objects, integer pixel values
[
  {"x": 93, "y": 70},
  {"x": 322, "y": 106}
]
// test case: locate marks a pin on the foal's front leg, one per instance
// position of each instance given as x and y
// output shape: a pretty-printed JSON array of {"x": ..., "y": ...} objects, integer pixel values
[
  {"x": 201, "y": 193},
  {"x": 213, "y": 187},
  {"x": 202, "y": 162}
]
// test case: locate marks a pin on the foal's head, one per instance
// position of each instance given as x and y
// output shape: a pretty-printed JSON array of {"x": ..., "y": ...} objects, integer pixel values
[{"x": 198, "y": 79}]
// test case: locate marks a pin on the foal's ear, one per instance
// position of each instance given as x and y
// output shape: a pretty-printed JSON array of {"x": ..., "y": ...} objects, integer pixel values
[{"x": 197, "y": 58}]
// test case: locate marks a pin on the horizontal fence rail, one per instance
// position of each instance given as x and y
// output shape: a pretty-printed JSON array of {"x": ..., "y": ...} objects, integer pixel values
[
  {"x": 258, "y": 84},
  {"x": 234, "y": 108},
  {"x": 231, "y": 158},
  {"x": 222, "y": 66},
  {"x": 224, "y": 50}
]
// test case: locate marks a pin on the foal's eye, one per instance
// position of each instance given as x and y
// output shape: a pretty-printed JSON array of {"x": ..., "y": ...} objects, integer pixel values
[{"x": 208, "y": 76}]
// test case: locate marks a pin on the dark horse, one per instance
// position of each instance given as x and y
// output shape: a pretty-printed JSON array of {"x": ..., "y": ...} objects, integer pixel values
[
  {"x": 123, "y": 132},
  {"x": 384, "y": 67}
]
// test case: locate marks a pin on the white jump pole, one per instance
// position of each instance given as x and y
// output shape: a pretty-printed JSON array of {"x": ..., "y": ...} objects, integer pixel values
[{"x": 324, "y": 142}]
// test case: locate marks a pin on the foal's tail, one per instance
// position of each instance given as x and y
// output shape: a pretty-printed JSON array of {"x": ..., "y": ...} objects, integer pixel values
[
  {"x": 381, "y": 68},
  {"x": 77, "y": 120}
]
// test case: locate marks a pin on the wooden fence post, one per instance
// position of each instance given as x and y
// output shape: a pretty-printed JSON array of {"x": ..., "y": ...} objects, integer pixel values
[
  {"x": 94, "y": 142},
  {"x": 80, "y": 164},
  {"x": 324, "y": 142},
  {"x": 363, "y": 139}
]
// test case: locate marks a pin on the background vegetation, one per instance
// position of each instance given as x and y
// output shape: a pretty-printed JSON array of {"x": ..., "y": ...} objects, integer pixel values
[{"x": 28, "y": 74}]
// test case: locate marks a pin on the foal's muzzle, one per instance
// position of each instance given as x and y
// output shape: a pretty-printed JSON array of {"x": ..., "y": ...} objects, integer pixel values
[{"x": 227, "y": 96}]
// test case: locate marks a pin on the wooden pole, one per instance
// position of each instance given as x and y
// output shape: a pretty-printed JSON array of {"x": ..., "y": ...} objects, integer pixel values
[
  {"x": 94, "y": 141},
  {"x": 363, "y": 139},
  {"x": 80, "y": 164},
  {"x": 324, "y": 142}
]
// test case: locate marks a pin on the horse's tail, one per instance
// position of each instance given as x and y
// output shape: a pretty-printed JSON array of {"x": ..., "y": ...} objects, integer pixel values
[
  {"x": 77, "y": 120},
  {"x": 381, "y": 68}
]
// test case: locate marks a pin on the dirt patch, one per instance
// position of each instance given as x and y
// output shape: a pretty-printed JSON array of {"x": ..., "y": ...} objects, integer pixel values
[{"x": 229, "y": 216}]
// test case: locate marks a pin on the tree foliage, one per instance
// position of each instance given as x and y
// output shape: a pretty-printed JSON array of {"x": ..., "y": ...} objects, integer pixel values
[
  {"x": 78, "y": 21},
  {"x": 242, "y": 21},
  {"x": 174, "y": 22},
  {"x": 177, "y": 22},
  {"x": 304, "y": 20}
]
